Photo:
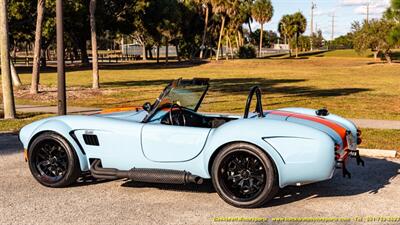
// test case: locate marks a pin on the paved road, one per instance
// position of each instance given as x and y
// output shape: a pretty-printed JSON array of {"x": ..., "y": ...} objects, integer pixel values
[{"x": 373, "y": 191}]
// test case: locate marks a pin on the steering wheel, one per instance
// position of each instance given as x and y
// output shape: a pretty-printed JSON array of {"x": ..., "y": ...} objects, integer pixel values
[
  {"x": 254, "y": 90},
  {"x": 179, "y": 119}
]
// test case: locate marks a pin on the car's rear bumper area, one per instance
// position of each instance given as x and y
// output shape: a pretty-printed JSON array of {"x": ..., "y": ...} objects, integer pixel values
[{"x": 342, "y": 161}]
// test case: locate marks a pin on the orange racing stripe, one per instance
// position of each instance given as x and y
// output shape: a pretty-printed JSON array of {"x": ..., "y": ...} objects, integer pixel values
[{"x": 341, "y": 131}]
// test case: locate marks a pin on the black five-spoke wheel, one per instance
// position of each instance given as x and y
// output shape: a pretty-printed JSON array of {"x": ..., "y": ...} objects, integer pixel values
[
  {"x": 52, "y": 161},
  {"x": 244, "y": 176}
]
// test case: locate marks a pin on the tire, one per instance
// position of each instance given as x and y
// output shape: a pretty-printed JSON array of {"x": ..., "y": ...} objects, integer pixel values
[
  {"x": 244, "y": 176},
  {"x": 52, "y": 160}
]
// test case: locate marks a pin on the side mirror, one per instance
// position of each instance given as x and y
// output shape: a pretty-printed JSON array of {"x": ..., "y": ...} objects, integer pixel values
[{"x": 147, "y": 106}]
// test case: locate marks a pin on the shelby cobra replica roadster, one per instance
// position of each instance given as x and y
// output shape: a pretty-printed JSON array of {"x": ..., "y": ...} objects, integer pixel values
[{"x": 247, "y": 157}]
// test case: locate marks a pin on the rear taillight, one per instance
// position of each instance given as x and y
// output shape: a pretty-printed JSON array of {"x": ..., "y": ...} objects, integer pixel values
[
  {"x": 359, "y": 140},
  {"x": 337, "y": 147}
]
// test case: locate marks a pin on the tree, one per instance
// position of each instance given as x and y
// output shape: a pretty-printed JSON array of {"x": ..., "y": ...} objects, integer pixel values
[
  {"x": 220, "y": 7},
  {"x": 8, "y": 95},
  {"x": 374, "y": 35},
  {"x": 205, "y": 6},
  {"x": 299, "y": 27},
  {"x": 396, "y": 4},
  {"x": 95, "y": 63},
  {"x": 38, "y": 43},
  {"x": 269, "y": 38},
  {"x": 285, "y": 30},
  {"x": 16, "y": 81},
  {"x": 262, "y": 12},
  {"x": 292, "y": 26}
]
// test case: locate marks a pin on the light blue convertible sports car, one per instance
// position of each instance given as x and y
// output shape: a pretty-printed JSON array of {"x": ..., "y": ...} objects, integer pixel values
[{"x": 247, "y": 157}]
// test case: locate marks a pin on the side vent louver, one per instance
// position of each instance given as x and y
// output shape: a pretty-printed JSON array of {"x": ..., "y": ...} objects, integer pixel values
[{"x": 91, "y": 139}]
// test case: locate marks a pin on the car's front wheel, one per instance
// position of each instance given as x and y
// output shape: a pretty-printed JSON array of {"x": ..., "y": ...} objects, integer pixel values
[
  {"x": 52, "y": 160},
  {"x": 244, "y": 176}
]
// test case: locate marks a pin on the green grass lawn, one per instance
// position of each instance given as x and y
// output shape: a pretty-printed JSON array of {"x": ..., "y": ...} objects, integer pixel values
[
  {"x": 351, "y": 87},
  {"x": 345, "y": 83}
]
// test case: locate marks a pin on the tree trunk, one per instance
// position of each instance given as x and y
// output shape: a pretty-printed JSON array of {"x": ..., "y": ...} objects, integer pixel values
[
  {"x": 8, "y": 95},
  {"x": 226, "y": 47},
  {"x": 297, "y": 46},
  {"x": 95, "y": 62},
  {"x": 158, "y": 53},
  {"x": 177, "y": 52},
  {"x": 166, "y": 51},
  {"x": 388, "y": 56},
  {"x": 250, "y": 31},
  {"x": 43, "y": 61},
  {"x": 150, "y": 52},
  {"x": 38, "y": 43},
  {"x": 220, "y": 37},
  {"x": 84, "y": 55},
  {"x": 376, "y": 53},
  {"x": 144, "y": 53},
  {"x": 261, "y": 39},
  {"x": 237, "y": 41},
  {"x": 14, "y": 75},
  {"x": 203, "y": 42},
  {"x": 240, "y": 39},
  {"x": 230, "y": 46}
]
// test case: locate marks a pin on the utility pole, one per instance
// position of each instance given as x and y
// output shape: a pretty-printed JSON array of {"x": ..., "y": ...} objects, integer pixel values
[
  {"x": 313, "y": 6},
  {"x": 62, "y": 99},
  {"x": 367, "y": 12},
  {"x": 333, "y": 26}
]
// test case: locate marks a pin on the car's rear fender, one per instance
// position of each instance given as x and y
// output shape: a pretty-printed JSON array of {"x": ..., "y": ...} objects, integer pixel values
[
  {"x": 301, "y": 154},
  {"x": 349, "y": 125},
  {"x": 31, "y": 131}
]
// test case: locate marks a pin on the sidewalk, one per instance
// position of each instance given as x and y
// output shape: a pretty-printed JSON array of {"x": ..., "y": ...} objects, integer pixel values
[
  {"x": 362, "y": 123},
  {"x": 53, "y": 109}
]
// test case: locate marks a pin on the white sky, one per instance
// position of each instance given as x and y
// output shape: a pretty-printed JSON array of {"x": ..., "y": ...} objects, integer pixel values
[{"x": 345, "y": 11}]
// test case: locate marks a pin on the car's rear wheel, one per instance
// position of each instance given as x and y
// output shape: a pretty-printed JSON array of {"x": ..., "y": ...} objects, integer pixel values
[
  {"x": 52, "y": 161},
  {"x": 244, "y": 176}
]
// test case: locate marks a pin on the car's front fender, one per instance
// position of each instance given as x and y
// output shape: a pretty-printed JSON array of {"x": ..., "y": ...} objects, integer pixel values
[{"x": 53, "y": 124}]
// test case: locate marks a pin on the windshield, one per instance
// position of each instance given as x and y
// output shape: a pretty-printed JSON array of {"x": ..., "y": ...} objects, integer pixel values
[{"x": 186, "y": 93}]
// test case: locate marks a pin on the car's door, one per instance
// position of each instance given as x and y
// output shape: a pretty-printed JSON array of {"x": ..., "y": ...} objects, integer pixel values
[{"x": 166, "y": 143}]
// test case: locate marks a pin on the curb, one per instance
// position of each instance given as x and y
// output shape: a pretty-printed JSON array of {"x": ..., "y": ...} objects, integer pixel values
[{"x": 378, "y": 153}]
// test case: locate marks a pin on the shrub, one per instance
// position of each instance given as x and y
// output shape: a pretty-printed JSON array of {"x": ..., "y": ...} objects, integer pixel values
[{"x": 247, "y": 52}]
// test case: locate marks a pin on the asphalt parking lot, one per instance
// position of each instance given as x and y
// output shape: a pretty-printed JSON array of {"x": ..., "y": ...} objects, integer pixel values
[{"x": 373, "y": 191}]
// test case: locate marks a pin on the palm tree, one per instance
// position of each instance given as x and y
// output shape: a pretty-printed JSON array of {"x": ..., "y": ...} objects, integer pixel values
[
  {"x": 299, "y": 27},
  {"x": 292, "y": 26},
  {"x": 285, "y": 29},
  {"x": 220, "y": 7},
  {"x": 205, "y": 6},
  {"x": 38, "y": 41},
  {"x": 262, "y": 12},
  {"x": 8, "y": 95},
  {"x": 95, "y": 63}
]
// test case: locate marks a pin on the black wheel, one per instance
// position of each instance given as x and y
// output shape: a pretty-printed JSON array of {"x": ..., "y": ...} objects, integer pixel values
[
  {"x": 52, "y": 160},
  {"x": 244, "y": 176}
]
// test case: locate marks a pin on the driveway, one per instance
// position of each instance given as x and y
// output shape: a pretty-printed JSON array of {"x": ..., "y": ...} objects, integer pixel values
[{"x": 372, "y": 192}]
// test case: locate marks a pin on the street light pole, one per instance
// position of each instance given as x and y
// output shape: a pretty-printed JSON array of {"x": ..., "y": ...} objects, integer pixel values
[{"x": 62, "y": 100}]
